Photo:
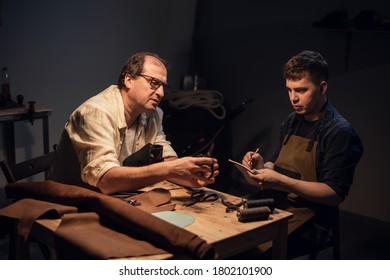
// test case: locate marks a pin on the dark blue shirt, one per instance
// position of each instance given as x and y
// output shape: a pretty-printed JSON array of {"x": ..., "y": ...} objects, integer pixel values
[{"x": 339, "y": 147}]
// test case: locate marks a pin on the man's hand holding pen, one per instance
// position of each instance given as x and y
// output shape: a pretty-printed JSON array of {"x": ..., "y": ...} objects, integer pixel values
[
  {"x": 253, "y": 160},
  {"x": 264, "y": 174},
  {"x": 250, "y": 162}
]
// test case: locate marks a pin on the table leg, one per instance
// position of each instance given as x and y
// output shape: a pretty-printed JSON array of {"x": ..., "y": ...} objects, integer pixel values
[
  {"x": 19, "y": 249},
  {"x": 45, "y": 128},
  {"x": 9, "y": 141},
  {"x": 279, "y": 244}
]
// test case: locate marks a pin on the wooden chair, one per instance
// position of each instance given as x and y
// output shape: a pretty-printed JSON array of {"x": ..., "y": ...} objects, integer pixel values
[
  {"x": 324, "y": 238},
  {"x": 28, "y": 168},
  {"x": 329, "y": 239},
  {"x": 18, "y": 248}
]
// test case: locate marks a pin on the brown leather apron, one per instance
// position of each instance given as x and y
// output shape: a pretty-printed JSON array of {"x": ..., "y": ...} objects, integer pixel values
[{"x": 297, "y": 159}]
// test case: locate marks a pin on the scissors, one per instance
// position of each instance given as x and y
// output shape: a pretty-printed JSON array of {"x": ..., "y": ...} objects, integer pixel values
[
  {"x": 208, "y": 154},
  {"x": 200, "y": 196}
]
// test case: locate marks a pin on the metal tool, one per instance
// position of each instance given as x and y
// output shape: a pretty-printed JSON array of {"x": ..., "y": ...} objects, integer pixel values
[
  {"x": 208, "y": 154},
  {"x": 230, "y": 207},
  {"x": 201, "y": 196}
]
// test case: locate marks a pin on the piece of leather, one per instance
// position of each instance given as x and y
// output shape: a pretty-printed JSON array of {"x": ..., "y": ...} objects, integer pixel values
[
  {"x": 78, "y": 235},
  {"x": 148, "y": 154},
  {"x": 27, "y": 210},
  {"x": 132, "y": 220},
  {"x": 155, "y": 200}
]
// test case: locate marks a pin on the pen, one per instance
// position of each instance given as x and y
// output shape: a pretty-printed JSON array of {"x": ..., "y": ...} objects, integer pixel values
[{"x": 250, "y": 162}]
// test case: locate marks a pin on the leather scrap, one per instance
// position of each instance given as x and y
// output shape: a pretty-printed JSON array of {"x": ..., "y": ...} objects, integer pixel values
[
  {"x": 26, "y": 211},
  {"x": 155, "y": 200},
  {"x": 79, "y": 234}
]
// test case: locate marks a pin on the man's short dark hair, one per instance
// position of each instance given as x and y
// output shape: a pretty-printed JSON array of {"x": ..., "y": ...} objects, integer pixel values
[{"x": 306, "y": 62}]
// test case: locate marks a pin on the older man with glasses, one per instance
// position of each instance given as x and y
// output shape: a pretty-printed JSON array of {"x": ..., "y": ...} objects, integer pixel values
[{"x": 114, "y": 125}]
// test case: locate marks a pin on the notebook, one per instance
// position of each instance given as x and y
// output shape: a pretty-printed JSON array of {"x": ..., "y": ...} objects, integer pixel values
[{"x": 244, "y": 170}]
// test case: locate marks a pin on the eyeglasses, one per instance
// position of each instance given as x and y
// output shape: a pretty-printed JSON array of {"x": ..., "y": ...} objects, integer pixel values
[{"x": 155, "y": 83}]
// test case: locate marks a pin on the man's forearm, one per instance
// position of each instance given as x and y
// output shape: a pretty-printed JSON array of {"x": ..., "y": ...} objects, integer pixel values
[
  {"x": 313, "y": 191},
  {"x": 123, "y": 178}
]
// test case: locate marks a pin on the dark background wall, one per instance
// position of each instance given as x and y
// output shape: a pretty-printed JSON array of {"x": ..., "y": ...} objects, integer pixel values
[
  {"x": 242, "y": 48},
  {"x": 62, "y": 52}
]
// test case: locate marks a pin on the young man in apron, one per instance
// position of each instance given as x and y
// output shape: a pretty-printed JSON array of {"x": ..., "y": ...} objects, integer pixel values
[{"x": 312, "y": 167}]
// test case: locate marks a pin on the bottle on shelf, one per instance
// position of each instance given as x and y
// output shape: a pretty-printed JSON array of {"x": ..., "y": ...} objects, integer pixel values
[{"x": 5, "y": 87}]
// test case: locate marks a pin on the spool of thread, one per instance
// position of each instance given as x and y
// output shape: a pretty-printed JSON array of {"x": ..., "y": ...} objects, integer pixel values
[
  {"x": 270, "y": 202},
  {"x": 253, "y": 214}
]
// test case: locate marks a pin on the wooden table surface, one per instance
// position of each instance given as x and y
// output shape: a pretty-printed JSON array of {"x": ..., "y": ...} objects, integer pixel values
[{"x": 212, "y": 223}]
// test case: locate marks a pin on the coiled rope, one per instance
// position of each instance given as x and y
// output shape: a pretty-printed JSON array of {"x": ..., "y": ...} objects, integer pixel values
[{"x": 209, "y": 100}]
